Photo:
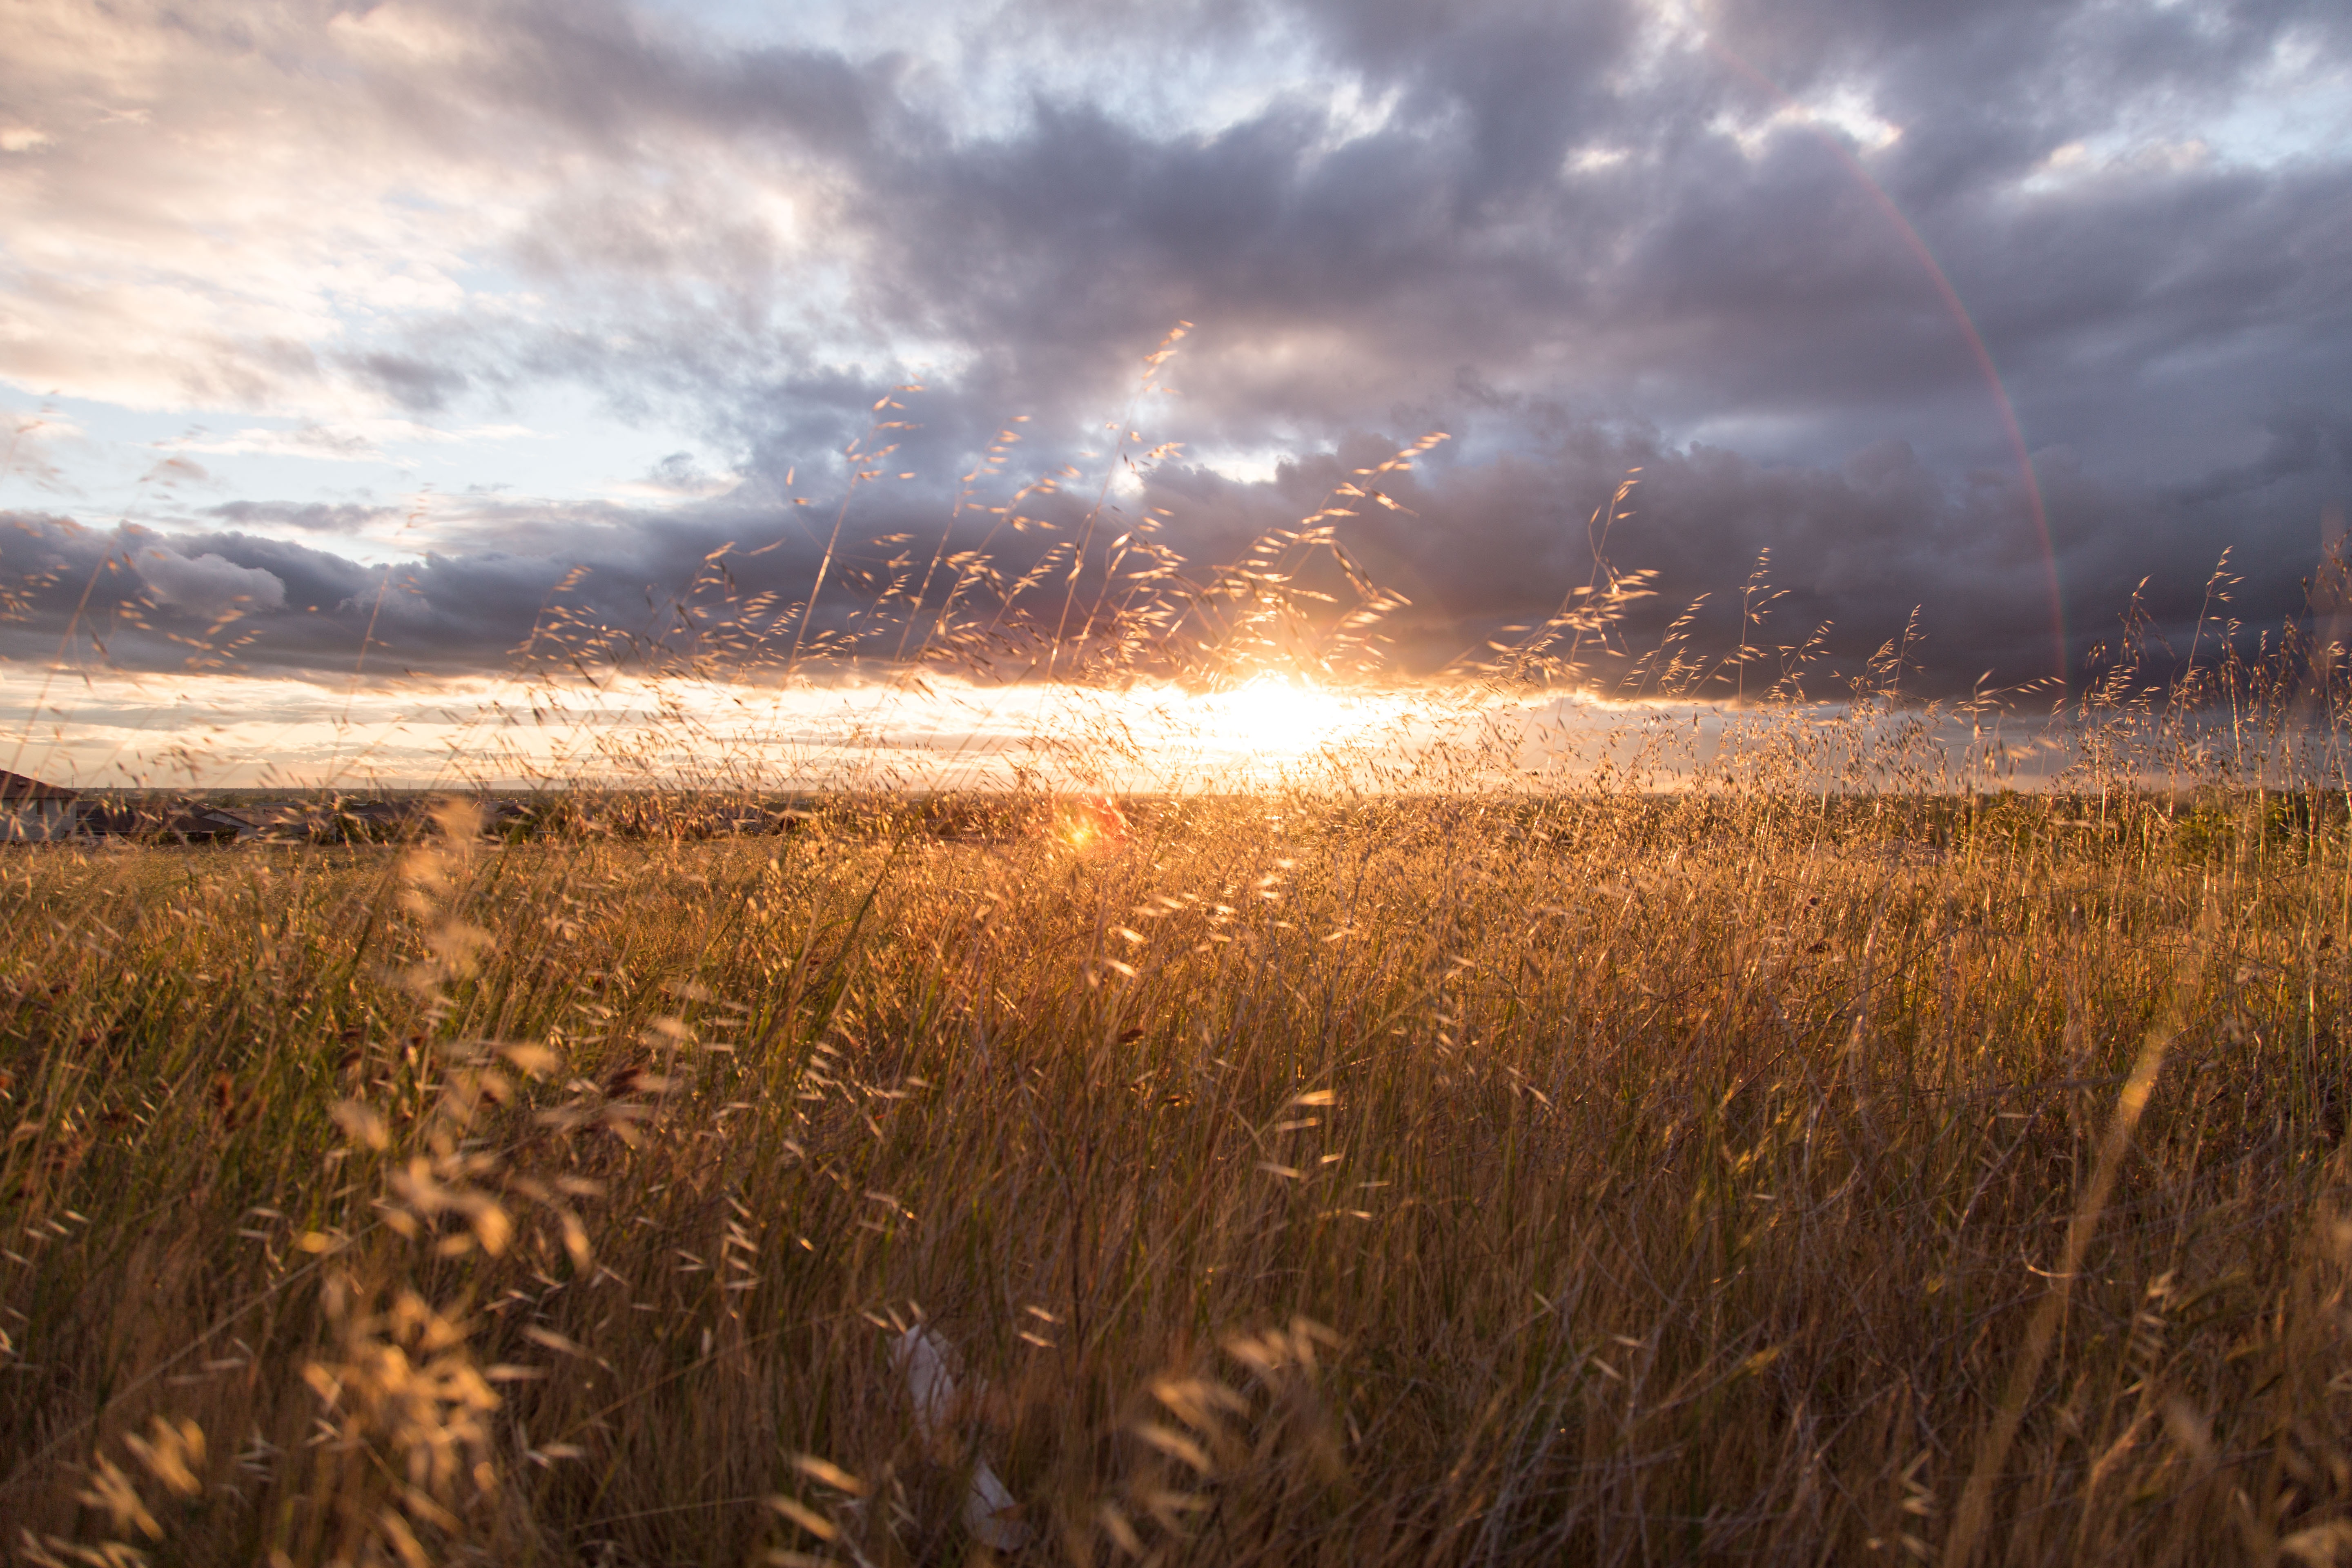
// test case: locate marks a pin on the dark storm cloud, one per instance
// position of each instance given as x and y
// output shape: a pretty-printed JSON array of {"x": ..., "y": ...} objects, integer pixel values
[
  {"x": 1579, "y": 237},
  {"x": 650, "y": 589},
  {"x": 2152, "y": 319},
  {"x": 1852, "y": 549}
]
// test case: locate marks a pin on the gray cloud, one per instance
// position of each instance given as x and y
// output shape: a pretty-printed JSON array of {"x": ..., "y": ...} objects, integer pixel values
[
  {"x": 1770, "y": 265},
  {"x": 207, "y": 584},
  {"x": 311, "y": 517}
]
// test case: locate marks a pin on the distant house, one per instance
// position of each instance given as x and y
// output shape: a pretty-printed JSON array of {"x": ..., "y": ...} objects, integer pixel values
[{"x": 32, "y": 812}]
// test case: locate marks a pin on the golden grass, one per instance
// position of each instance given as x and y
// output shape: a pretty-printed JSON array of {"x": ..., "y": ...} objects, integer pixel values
[{"x": 1460, "y": 1180}]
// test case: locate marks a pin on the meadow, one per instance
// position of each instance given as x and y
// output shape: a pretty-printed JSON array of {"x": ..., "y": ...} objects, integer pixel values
[{"x": 1726, "y": 1175}]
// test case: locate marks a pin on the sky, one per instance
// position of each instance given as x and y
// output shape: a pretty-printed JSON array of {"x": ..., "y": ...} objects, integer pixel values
[{"x": 354, "y": 341}]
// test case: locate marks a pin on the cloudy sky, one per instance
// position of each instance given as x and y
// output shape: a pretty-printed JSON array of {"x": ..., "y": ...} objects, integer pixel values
[{"x": 434, "y": 316}]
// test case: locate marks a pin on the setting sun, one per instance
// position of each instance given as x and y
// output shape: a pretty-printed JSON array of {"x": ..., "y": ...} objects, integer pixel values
[{"x": 1269, "y": 714}]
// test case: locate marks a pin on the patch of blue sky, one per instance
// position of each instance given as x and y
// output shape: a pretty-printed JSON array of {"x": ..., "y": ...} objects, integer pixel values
[
  {"x": 2272, "y": 130},
  {"x": 2296, "y": 111},
  {"x": 103, "y": 463}
]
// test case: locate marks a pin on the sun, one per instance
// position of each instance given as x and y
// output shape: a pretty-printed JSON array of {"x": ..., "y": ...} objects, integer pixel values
[{"x": 1271, "y": 716}]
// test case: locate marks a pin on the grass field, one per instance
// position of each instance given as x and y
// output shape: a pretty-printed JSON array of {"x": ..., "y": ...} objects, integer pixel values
[{"x": 1728, "y": 1177}]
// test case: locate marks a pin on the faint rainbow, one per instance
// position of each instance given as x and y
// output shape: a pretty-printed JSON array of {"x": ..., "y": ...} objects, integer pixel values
[{"x": 2004, "y": 409}]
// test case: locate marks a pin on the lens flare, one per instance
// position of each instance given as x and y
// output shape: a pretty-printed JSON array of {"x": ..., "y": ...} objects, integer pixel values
[{"x": 1091, "y": 821}]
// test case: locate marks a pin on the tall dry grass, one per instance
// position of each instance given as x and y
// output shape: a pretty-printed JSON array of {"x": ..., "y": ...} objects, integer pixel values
[{"x": 1614, "y": 1179}]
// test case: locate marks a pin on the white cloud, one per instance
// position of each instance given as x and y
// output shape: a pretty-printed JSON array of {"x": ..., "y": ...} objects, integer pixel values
[
  {"x": 216, "y": 216},
  {"x": 1845, "y": 110},
  {"x": 1592, "y": 159}
]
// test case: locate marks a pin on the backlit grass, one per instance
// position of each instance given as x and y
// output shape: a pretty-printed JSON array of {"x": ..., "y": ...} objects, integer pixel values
[{"x": 1620, "y": 1179}]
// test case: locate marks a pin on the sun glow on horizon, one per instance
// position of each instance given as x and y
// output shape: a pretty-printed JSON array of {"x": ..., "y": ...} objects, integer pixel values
[
  {"x": 203, "y": 730},
  {"x": 206, "y": 730},
  {"x": 1271, "y": 716}
]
